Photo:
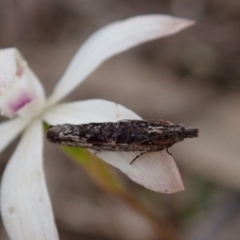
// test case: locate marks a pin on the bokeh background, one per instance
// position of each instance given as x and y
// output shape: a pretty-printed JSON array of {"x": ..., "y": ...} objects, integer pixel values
[{"x": 190, "y": 78}]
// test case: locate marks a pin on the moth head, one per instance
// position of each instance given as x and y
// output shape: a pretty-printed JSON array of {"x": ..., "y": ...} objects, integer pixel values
[
  {"x": 190, "y": 132},
  {"x": 183, "y": 133}
]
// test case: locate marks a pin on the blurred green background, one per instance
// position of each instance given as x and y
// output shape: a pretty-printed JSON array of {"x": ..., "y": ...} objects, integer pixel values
[{"x": 190, "y": 78}]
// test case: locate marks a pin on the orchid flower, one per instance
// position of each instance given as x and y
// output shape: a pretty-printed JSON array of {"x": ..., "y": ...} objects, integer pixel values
[{"x": 25, "y": 205}]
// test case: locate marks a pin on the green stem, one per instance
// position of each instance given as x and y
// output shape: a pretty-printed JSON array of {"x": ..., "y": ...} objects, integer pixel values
[{"x": 102, "y": 175}]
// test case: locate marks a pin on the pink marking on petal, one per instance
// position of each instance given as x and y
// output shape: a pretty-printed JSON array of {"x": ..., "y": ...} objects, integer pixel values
[{"x": 20, "y": 102}]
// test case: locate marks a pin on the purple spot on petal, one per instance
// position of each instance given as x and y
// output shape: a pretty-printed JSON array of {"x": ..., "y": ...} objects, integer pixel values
[{"x": 20, "y": 102}]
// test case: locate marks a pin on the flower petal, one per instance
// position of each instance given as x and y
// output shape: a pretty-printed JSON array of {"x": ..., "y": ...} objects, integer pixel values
[
  {"x": 20, "y": 91},
  {"x": 10, "y": 129},
  {"x": 155, "y": 171},
  {"x": 25, "y": 205},
  {"x": 95, "y": 110},
  {"x": 8, "y": 68},
  {"x": 113, "y": 39}
]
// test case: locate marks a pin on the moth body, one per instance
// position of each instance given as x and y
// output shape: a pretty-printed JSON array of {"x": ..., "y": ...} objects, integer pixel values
[{"x": 124, "y": 135}]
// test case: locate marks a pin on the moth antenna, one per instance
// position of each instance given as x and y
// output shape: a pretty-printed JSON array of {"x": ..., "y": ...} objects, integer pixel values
[{"x": 151, "y": 138}]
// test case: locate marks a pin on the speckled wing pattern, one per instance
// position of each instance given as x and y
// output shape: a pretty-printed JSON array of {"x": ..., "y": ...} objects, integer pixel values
[{"x": 124, "y": 135}]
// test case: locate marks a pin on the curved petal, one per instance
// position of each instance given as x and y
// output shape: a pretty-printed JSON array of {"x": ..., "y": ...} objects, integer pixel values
[
  {"x": 155, "y": 171},
  {"x": 22, "y": 92},
  {"x": 8, "y": 68},
  {"x": 113, "y": 39},
  {"x": 10, "y": 129},
  {"x": 94, "y": 110},
  {"x": 25, "y": 205}
]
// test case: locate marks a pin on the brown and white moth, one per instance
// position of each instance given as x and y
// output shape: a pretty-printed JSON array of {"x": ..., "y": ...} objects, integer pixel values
[{"x": 125, "y": 135}]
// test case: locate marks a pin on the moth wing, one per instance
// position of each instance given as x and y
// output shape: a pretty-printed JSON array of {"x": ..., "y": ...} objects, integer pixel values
[{"x": 160, "y": 121}]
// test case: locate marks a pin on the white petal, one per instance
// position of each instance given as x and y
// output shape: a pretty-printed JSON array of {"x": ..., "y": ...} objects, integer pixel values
[
  {"x": 155, "y": 171},
  {"x": 8, "y": 68},
  {"x": 10, "y": 129},
  {"x": 22, "y": 92},
  {"x": 25, "y": 205},
  {"x": 95, "y": 110},
  {"x": 113, "y": 39}
]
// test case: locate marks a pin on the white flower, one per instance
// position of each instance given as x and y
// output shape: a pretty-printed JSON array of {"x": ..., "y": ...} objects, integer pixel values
[{"x": 25, "y": 204}]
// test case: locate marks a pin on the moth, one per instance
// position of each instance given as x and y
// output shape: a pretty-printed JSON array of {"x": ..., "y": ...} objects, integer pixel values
[{"x": 126, "y": 135}]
